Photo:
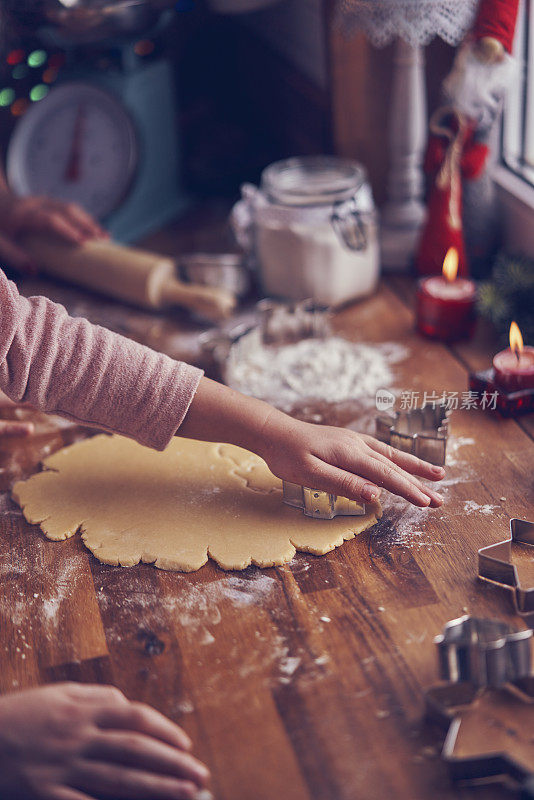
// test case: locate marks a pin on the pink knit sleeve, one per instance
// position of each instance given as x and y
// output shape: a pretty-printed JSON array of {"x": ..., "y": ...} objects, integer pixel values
[{"x": 84, "y": 372}]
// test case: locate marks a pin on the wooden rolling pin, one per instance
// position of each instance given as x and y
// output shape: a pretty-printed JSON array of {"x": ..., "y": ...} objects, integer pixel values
[{"x": 125, "y": 273}]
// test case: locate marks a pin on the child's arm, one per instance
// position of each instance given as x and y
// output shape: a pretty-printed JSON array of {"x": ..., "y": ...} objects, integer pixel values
[
  {"x": 67, "y": 366},
  {"x": 334, "y": 460},
  {"x": 82, "y": 371}
]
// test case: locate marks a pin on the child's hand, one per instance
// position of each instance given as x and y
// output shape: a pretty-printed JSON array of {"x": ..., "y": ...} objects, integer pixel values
[
  {"x": 72, "y": 741},
  {"x": 344, "y": 463},
  {"x": 45, "y": 215},
  {"x": 334, "y": 460}
]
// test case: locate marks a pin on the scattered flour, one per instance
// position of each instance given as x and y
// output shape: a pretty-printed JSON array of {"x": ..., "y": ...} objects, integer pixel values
[
  {"x": 408, "y": 523},
  {"x": 28, "y": 613},
  {"x": 454, "y": 444},
  {"x": 471, "y": 507},
  {"x": 331, "y": 370},
  {"x": 207, "y": 637},
  {"x": 199, "y": 608},
  {"x": 288, "y": 665},
  {"x": 195, "y": 606},
  {"x": 185, "y": 706}
]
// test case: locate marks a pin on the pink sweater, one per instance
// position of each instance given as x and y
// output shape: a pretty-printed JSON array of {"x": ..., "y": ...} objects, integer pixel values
[{"x": 89, "y": 374}]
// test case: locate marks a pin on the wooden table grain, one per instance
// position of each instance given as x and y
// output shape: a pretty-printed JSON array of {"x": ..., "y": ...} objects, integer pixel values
[{"x": 303, "y": 682}]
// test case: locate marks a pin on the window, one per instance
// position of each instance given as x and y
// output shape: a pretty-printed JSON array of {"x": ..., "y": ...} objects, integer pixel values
[
  {"x": 518, "y": 119},
  {"x": 514, "y": 171}
]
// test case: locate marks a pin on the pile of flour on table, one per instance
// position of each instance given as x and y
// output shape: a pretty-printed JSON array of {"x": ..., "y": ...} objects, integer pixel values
[{"x": 331, "y": 370}]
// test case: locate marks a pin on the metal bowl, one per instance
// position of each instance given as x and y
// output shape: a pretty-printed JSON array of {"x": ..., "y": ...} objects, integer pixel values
[
  {"x": 222, "y": 270},
  {"x": 85, "y": 21}
]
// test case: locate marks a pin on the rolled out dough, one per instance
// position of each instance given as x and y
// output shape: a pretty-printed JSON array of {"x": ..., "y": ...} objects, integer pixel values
[{"x": 175, "y": 508}]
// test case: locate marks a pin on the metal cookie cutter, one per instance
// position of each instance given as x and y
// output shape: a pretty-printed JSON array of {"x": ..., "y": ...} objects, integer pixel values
[
  {"x": 284, "y": 323},
  {"x": 422, "y": 432},
  {"x": 483, "y": 652},
  {"x": 495, "y": 564},
  {"x": 275, "y": 324},
  {"x": 320, "y": 505},
  {"x": 485, "y": 707}
]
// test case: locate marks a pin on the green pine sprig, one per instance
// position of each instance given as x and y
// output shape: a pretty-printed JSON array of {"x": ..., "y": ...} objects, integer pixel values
[{"x": 509, "y": 295}]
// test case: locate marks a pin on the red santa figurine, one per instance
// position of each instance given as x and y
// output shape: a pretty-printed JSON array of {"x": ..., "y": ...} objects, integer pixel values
[{"x": 457, "y": 148}]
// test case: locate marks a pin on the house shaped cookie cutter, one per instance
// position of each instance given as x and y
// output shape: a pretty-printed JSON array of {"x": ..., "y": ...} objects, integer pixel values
[
  {"x": 444, "y": 704},
  {"x": 478, "y": 655},
  {"x": 422, "y": 431},
  {"x": 320, "y": 505},
  {"x": 483, "y": 652},
  {"x": 495, "y": 564}
]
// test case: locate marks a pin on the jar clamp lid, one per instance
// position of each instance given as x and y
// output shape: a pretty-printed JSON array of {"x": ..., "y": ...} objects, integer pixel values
[
  {"x": 312, "y": 180},
  {"x": 318, "y": 181}
]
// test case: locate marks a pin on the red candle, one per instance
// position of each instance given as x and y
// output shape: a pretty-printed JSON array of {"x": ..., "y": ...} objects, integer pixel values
[
  {"x": 446, "y": 304},
  {"x": 514, "y": 367}
]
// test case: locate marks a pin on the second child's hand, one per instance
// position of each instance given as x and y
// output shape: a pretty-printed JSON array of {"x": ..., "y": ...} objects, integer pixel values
[{"x": 42, "y": 215}]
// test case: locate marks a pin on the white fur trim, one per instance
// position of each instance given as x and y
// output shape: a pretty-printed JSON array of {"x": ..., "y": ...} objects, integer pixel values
[{"x": 477, "y": 89}]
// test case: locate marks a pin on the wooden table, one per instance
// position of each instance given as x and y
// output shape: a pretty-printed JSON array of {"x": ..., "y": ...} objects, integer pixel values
[{"x": 304, "y": 681}]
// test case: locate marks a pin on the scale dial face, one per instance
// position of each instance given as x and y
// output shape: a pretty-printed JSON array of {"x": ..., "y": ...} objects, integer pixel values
[{"x": 77, "y": 144}]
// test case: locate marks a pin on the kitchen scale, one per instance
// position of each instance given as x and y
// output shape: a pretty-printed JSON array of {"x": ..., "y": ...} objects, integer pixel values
[{"x": 104, "y": 133}]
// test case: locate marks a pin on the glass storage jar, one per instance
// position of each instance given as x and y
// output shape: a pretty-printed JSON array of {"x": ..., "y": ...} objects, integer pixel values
[{"x": 311, "y": 229}]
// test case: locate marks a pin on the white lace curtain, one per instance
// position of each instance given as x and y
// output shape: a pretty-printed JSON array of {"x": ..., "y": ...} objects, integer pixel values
[{"x": 415, "y": 21}]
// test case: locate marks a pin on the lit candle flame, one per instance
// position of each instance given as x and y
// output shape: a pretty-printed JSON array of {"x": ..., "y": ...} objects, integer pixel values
[
  {"x": 450, "y": 264},
  {"x": 516, "y": 340}
]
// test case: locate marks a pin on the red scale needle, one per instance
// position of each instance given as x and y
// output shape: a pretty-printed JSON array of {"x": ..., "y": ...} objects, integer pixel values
[{"x": 73, "y": 168}]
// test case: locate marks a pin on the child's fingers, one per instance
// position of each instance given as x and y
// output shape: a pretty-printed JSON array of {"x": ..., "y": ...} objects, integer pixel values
[
  {"x": 53, "y": 221},
  {"x": 390, "y": 464},
  {"x": 82, "y": 220},
  {"x": 385, "y": 473},
  {"x": 436, "y": 498},
  {"x": 408, "y": 462},
  {"x": 366, "y": 485},
  {"x": 146, "y": 753},
  {"x": 144, "y": 719},
  {"x": 327, "y": 478},
  {"x": 67, "y": 793},
  {"x": 59, "y": 224},
  {"x": 8, "y": 428},
  {"x": 126, "y": 783},
  {"x": 389, "y": 467}
]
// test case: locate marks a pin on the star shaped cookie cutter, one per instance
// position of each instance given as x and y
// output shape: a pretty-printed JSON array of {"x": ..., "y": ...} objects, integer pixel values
[
  {"x": 486, "y": 704},
  {"x": 495, "y": 564},
  {"x": 423, "y": 432},
  {"x": 320, "y": 505}
]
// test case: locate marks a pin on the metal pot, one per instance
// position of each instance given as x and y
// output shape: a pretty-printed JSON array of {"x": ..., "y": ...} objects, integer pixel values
[
  {"x": 223, "y": 270},
  {"x": 84, "y": 21}
]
